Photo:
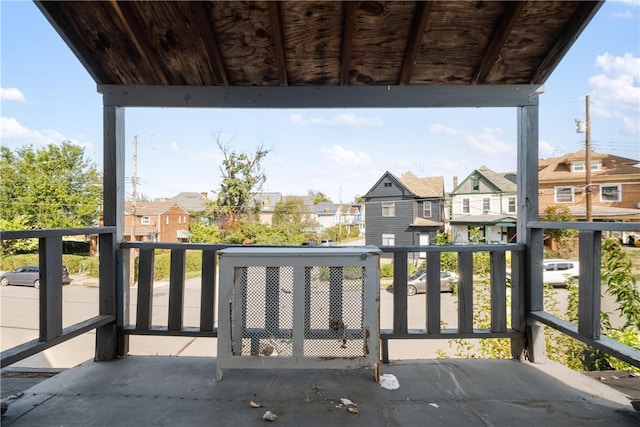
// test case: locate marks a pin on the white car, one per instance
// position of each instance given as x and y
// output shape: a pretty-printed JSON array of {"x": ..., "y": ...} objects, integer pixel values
[{"x": 556, "y": 271}]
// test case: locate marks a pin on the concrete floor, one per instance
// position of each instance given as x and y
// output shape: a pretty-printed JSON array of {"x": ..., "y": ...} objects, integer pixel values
[{"x": 182, "y": 391}]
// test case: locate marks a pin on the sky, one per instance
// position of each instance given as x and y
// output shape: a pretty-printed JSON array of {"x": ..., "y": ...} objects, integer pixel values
[{"x": 46, "y": 96}]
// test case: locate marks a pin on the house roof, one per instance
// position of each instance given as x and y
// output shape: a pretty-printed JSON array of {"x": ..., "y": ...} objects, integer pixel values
[
  {"x": 423, "y": 187},
  {"x": 504, "y": 182},
  {"x": 151, "y": 208},
  {"x": 559, "y": 168},
  {"x": 325, "y": 208},
  {"x": 256, "y": 44},
  {"x": 423, "y": 222},
  {"x": 191, "y": 201}
]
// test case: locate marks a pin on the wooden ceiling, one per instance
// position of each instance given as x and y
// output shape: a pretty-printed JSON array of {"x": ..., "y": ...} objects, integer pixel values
[{"x": 319, "y": 43}]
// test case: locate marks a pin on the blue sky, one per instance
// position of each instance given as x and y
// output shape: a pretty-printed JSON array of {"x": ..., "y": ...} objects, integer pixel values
[{"x": 48, "y": 97}]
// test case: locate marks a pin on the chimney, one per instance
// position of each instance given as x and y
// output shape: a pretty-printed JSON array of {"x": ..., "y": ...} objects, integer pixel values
[{"x": 455, "y": 182}]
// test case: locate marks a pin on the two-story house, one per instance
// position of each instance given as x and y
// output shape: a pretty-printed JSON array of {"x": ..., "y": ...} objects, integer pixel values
[
  {"x": 614, "y": 184},
  {"x": 156, "y": 222},
  {"x": 404, "y": 210},
  {"x": 266, "y": 202},
  {"x": 483, "y": 208}
]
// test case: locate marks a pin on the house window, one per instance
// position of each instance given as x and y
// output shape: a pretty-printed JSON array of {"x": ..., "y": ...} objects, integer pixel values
[
  {"x": 166, "y": 220},
  {"x": 388, "y": 209},
  {"x": 512, "y": 205},
  {"x": 610, "y": 193},
  {"x": 426, "y": 209},
  {"x": 580, "y": 166},
  {"x": 563, "y": 194},
  {"x": 475, "y": 183},
  {"x": 388, "y": 239},
  {"x": 465, "y": 206},
  {"x": 486, "y": 205},
  {"x": 145, "y": 220},
  {"x": 179, "y": 219},
  {"x": 387, "y": 184}
]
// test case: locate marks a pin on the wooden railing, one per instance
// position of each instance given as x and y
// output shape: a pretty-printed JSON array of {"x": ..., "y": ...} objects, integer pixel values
[
  {"x": 51, "y": 332},
  {"x": 115, "y": 322}
]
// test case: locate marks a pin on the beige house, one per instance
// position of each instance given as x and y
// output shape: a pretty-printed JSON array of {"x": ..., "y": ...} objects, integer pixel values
[{"x": 615, "y": 186}]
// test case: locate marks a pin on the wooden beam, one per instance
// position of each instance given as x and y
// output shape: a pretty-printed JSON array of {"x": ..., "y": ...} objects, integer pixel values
[
  {"x": 278, "y": 41},
  {"x": 420, "y": 22},
  {"x": 584, "y": 13},
  {"x": 126, "y": 11},
  {"x": 212, "y": 48},
  {"x": 498, "y": 39},
  {"x": 347, "y": 35}
]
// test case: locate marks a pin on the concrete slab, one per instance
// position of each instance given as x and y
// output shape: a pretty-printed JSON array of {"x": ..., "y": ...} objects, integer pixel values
[{"x": 156, "y": 390}]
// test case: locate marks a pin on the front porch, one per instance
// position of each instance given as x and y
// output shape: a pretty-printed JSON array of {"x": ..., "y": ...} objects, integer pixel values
[{"x": 144, "y": 391}]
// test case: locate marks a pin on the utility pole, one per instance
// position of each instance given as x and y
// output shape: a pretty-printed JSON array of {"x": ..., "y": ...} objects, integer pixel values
[
  {"x": 134, "y": 181},
  {"x": 587, "y": 161},
  {"x": 585, "y": 127}
]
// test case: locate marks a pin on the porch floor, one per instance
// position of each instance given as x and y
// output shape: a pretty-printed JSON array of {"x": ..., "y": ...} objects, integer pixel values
[{"x": 182, "y": 391}]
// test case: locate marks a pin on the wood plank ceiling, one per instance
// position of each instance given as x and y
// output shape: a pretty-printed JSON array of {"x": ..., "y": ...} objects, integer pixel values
[{"x": 319, "y": 43}]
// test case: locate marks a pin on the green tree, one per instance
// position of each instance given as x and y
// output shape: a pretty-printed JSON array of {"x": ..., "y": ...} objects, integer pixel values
[
  {"x": 20, "y": 246},
  {"x": 242, "y": 175},
  {"x": 318, "y": 197},
  {"x": 562, "y": 237},
  {"x": 51, "y": 187},
  {"x": 202, "y": 233},
  {"x": 292, "y": 215}
]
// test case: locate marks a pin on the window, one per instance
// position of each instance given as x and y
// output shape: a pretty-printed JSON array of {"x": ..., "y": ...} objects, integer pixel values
[
  {"x": 388, "y": 239},
  {"x": 388, "y": 209},
  {"x": 465, "y": 206},
  {"x": 486, "y": 205},
  {"x": 387, "y": 184},
  {"x": 475, "y": 183},
  {"x": 563, "y": 194},
  {"x": 580, "y": 166},
  {"x": 426, "y": 209},
  {"x": 610, "y": 193},
  {"x": 145, "y": 220},
  {"x": 512, "y": 205},
  {"x": 166, "y": 220}
]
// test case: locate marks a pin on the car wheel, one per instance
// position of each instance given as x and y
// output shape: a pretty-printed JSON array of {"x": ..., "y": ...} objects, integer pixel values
[
  {"x": 411, "y": 290},
  {"x": 4, "y": 281},
  {"x": 36, "y": 284}
]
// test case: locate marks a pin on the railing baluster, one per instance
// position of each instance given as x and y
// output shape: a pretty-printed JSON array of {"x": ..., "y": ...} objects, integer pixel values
[
  {"x": 498, "y": 292},
  {"x": 176, "y": 289},
  {"x": 146, "y": 268},
  {"x": 50, "y": 287},
  {"x": 207, "y": 291},
  {"x": 433, "y": 293},
  {"x": 400, "y": 260},
  {"x": 590, "y": 245},
  {"x": 465, "y": 292}
]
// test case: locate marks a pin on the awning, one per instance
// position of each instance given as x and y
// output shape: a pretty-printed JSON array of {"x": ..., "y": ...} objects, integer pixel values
[{"x": 184, "y": 234}]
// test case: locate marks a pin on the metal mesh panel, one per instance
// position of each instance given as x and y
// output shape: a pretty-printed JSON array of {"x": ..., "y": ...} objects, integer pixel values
[
  {"x": 267, "y": 309},
  {"x": 334, "y": 312}
]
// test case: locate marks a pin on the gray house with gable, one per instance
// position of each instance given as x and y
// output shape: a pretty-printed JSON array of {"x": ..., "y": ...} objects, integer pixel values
[{"x": 404, "y": 210}]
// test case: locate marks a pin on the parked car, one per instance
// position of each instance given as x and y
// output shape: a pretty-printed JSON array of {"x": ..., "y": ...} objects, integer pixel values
[
  {"x": 327, "y": 243},
  {"x": 556, "y": 271},
  {"x": 29, "y": 275},
  {"x": 309, "y": 243},
  {"x": 418, "y": 284}
]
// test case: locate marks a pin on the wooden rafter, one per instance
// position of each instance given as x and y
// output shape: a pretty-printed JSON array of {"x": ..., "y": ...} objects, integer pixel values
[
  {"x": 497, "y": 41},
  {"x": 420, "y": 22},
  {"x": 583, "y": 14},
  {"x": 278, "y": 41},
  {"x": 205, "y": 28},
  {"x": 347, "y": 34},
  {"x": 131, "y": 23}
]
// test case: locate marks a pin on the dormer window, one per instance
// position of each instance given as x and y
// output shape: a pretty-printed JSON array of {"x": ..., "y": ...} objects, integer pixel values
[
  {"x": 475, "y": 183},
  {"x": 579, "y": 166}
]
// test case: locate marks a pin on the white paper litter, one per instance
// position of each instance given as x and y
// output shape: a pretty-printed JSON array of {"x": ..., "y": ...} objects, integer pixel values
[
  {"x": 389, "y": 382},
  {"x": 435, "y": 405},
  {"x": 346, "y": 402}
]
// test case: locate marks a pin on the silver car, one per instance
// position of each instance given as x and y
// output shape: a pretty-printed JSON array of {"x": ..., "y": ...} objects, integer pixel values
[
  {"x": 418, "y": 285},
  {"x": 29, "y": 275}
]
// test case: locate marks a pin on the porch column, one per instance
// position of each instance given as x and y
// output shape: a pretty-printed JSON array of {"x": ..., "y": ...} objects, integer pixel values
[
  {"x": 110, "y": 341},
  {"x": 527, "y": 291}
]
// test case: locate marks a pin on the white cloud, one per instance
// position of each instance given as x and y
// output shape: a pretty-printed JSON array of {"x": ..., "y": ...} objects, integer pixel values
[
  {"x": 345, "y": 119},
  {"x": 338, "y": 156},
  {"x": 10, "y": 128},
  {"x": 11, "y": 94},
  {"x": 444, "y": 130},
  {"x": 616, "y": 92},
  {"x": 488, "y": 143},
  {"x": 545, "y": 149}
]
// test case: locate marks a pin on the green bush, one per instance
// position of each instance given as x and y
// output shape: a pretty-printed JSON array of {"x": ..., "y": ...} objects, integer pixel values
[{"x": 386, "y": 270}]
